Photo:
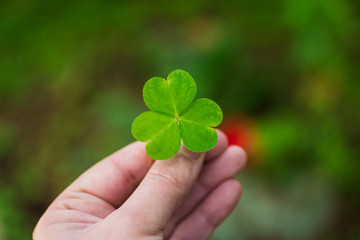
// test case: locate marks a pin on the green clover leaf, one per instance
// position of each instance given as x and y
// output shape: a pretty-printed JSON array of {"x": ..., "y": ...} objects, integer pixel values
[{"x": 174, "y": 117}]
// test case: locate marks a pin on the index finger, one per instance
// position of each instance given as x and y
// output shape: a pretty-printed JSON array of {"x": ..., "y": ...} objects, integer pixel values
[{"x": 114, "y": 178}]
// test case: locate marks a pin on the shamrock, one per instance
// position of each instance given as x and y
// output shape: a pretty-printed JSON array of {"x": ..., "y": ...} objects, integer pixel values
[{"x": 174, "y": 117}]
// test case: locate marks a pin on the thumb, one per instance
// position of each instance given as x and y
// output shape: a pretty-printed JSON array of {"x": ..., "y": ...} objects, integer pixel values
[{"x": 161, "y": 191}]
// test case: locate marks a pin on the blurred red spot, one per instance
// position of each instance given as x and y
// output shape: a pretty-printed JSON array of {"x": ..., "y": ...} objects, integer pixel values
[{"x": 241, "y": 131}]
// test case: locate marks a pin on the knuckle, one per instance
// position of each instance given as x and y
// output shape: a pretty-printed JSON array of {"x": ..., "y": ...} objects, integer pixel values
[
  {"x": 163, "y": 177},
  {"x": 177, "y": 173}
]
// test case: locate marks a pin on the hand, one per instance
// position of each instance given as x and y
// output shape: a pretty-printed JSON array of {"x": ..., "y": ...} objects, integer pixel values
[{"x": 129, "y": 196}]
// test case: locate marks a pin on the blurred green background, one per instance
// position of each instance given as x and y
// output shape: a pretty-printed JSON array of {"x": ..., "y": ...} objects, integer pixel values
[{"x": 285, "y": 72}]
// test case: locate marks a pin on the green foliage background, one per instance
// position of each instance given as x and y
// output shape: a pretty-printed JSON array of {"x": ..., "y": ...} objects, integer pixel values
[{"x": 71, "y": 74}]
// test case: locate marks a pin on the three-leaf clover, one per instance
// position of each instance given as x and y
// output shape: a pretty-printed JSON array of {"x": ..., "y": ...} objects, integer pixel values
[{"x": 174, "y": 117}]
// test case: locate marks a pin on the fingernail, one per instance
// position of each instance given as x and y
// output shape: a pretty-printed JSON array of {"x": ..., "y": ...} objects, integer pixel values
[{"x": 192, "y": 155}]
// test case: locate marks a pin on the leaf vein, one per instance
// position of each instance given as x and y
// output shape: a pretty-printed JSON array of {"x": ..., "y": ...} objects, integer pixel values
[{"x": 162, "y": 130}]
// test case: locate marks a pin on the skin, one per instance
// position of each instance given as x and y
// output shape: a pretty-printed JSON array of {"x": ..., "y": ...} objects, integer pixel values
[{"x": 130, "y": 196}]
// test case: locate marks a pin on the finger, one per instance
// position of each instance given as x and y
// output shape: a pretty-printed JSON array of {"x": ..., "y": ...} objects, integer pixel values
[
  {"x": 224, "y": 167},
  {"x": 116, "y": 177},
  {"x": 162, "y": 189},
  {"x": 108, "y": 183},
  {"x": 219, "y": 147},
  {"x": 210, "y": 213}
]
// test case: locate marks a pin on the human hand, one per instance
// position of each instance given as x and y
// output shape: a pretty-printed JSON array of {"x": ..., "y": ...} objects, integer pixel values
[{"x": 129, "y": 196}]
